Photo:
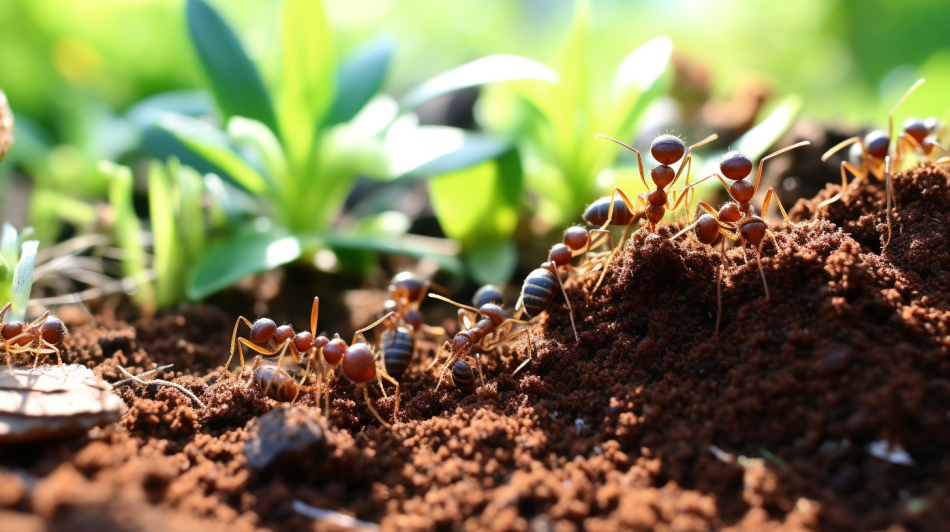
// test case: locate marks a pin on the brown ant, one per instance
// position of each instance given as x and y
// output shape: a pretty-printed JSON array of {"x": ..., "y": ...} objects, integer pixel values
[
  {"x": 399, "y": 342},
  {"x": 42, "y": 336},
  {"x": 276, "y": 383},
  {"x": 653, "y": 204},
  {"x": 538, "y": 291},
  {"x": 462, "y": 377},
  {"x": 486, "y": 335},
  {"x": 870, "y": 155}
]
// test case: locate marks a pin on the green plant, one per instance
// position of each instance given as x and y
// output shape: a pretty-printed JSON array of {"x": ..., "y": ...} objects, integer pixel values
[
  {"x": 17, "y": 259},
  {"x": 299, "y": 150}
]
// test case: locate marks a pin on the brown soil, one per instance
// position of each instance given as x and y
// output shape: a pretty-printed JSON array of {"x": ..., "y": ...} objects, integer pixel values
[{"x": 648, "y": 423}]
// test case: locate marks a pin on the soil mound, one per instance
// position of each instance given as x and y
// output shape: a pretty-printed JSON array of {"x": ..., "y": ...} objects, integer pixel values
[{"x": 824, "y": 407}]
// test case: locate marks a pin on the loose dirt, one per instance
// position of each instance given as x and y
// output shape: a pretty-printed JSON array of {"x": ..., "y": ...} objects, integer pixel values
[{"x": 824, "y": 407}]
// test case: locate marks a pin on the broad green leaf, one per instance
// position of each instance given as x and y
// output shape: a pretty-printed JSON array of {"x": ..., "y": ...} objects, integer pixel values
[
  {"x": 493, "y": 261},
  {"x": 766, "y": 133},
  {"x": 491, "y": 69},
  {"x": 169, "y": 270},
  {"x": 473, "y": 149},
  {"x": 247, "y": 131},
  {"x": 211, "y": 144},
  {"x": 360, "y": 77},
  {"x": 236, "y": 85},
  {"x": 307, "y": 78},
  {"x": 416, "y": 151},
  {"x": 574, "y": 67},
  {"x": 127, "y": 228},
  {"x": 23, "y": 280},
  {"x": 194, "y": 103},
  {"x": 415, "y": 246},
  {"x": 475, "y": 205},
  {"x": 242, "y": 255}
]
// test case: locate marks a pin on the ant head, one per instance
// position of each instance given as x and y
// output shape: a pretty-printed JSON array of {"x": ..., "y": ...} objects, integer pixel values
[
  {"x": 12, "y": 329},
  {"x": 492, "y": 312},
  {"x": 406, "y": 285},
  {"x": 54, "y": 330},
  {"x": 262, "y": 330},
  {"x": 707, "y": 229},
  {"x": 576, "y": 237},
  {"x": 283, "y": 333},
  {"x": 662, "y": 175},
  {"x": 735, "y": 165},
  {"x": 413, "y": 318},
  {"x": 876, "y": 143},
  {"x": 753, "y": 230},
  {"x": 359, "y": 364},
  {"x": 667, "y": 149},
  {"x": 487, "y": 294},
  {"x": 560, "y": 254},
  {"x": 916, "y": 128},
  {"x": 335, "y": 350},
  {"x": 303, "y": 341}
]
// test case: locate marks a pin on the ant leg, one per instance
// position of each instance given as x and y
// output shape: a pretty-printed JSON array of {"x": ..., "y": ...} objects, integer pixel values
[
  {"x": 694, "y": 184},
  {"x": 459, "y": 305},
  {"x": 687, "y": 159},
  {"x": 314, "y": 313},
  {"x": 359, "y": 333},
  {"x": 396, "y": 395},
  {"x": 530, "y": 357},
  {"x": 610, "y": 259},
  {"x": 3, "y": 312},
  {"x": 890, "y": 116},
  {"x": 758, "y": 176},
  {"x": 765, "y": 206},
  {"x": 570, "y": 310},
  {"x": 370, "y": 406},
  {"x": 631, "y": 206},
  {"x": 271, "y": 352},
  {"x": 845, "y": 168},
  {"x": 52, "y": 349},
  {"x": 233, "y": 338},
  {"x": 478, "y": 366},
  {"x": 887, "y": 183},
  {"x": 841, "y": 145},
  {"x": 439, "y": 354},
  {"x": 758, "y": 259},
  {"x": 639, "y": 159},
  {"x": 722, "y": 256}
]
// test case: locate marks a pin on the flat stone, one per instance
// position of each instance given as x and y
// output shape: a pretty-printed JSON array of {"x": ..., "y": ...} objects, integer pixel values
[{"x": 285, "y": 440}]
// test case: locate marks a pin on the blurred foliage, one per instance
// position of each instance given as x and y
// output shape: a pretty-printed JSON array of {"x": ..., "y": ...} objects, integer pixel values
[{"x": 17, "y": 259}]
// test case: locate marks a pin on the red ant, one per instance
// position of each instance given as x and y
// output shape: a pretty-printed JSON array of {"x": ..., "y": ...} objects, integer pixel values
[
  {"x": 870, "y": 155},
  {"x": 538, "y": 290},
  {"x": 43, "y": 336},
  {"x": 653, "y": 204},
  {"x": 486, "y": 335},
  {"x": 335, "y": 352}
]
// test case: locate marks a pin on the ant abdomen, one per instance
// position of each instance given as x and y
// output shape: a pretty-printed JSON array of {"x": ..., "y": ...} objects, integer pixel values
[
  {"x": 463, "y": 377},
  {"x": 596, "y": 213},
  {"x": 707, "y": 229},
  {"x": 487, "y": 294},
  {"x": 276, "y": 384},
  {"x": 538, "y": 291},
  {"x": 398, "y": 347}
]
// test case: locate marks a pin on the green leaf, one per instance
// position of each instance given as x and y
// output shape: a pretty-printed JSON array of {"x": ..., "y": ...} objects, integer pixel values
[
  {"x": 211, "y": 144},
  {"x": 574, "y": 64},
  {"x": 167, "y": 252},
  {"x": 236, "y": 85},
  {"x": 493, "y": 261},
  {"x": 491, "y": 69},
  {"x": 23, "y": 280},
  {"x": 307, "y": 78},
  {"x": 242, "y": 255},
  {"x": 192, "y": 228},
  {"x": 127, "y": 228},
  {"x": 441, "y": 250},
  {"x": 8, "y": 248},
  {"x": 359, "y": 78},
  {"x": 247, "y": 131},
  {"x": 480, "y": 203},
  {"x": 473, "y": 148}
]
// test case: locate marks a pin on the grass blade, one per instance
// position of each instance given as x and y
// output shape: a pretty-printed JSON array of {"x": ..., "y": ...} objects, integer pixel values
[
  {"x": 23, "y": 279},
  {"x": 236, "y": 85},
  {"x": 127, "y": 229},
  {"x": 167, "y": 261},
  {"x": 242, "y": 255}
]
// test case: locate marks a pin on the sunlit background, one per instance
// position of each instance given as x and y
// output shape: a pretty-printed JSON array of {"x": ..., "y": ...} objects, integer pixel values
[{"x": 73, "y": 70}]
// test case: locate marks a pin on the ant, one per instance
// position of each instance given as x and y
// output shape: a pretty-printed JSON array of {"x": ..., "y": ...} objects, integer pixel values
[
  {"x": 43, "y": 336},
  {"x": 486, "y": 335},
  {"x": 276, "y": 383},
  {"x": 653, "y": 204},
  {"x": 921, "y": 136},
  {"x": 399, "y": 343},
  {"x": 870, "y": 155},
  {"x": 538, "y": 290},
  {"x": 335, "y": 352},
  {"x": 462, "y": 377}
]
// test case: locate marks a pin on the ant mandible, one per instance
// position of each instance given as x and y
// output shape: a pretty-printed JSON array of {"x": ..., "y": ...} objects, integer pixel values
[
  {"x": 42, "y": 336},
  {"x": 486, "y": 335},
  {"x": 667, "y": 150}
]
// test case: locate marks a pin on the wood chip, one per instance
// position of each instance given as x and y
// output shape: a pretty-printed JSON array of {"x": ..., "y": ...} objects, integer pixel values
[{"x": 54, "y": 402}]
